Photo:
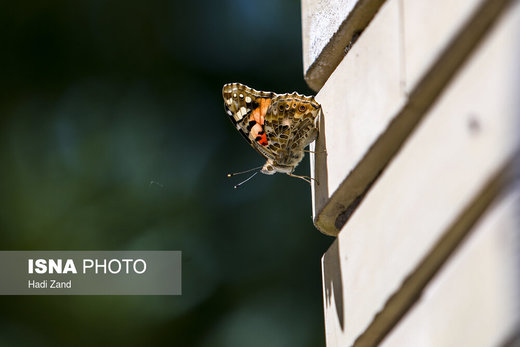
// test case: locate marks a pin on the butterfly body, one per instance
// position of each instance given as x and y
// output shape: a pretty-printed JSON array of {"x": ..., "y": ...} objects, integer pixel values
[{"x": 278, "y": 126}]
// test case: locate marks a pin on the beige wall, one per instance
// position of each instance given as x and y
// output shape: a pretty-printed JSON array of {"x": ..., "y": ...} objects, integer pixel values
[{"x": 417, "y": 142}]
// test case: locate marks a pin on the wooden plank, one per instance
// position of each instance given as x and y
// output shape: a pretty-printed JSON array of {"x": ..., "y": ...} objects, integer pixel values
[
  {"x": 329, "y": 29},
  {"x": 369, "y": 110},
  {"x": 475, "y": 300},
  {"x": 428, "y": 32},
  {"x": 427, "y": 199},
  {"x": 352, "y": 119}
]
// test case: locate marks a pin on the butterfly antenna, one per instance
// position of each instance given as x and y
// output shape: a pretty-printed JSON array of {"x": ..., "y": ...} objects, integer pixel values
[
  {"x": 244, "y": 181},
  {"x": 243, "y": 172}
]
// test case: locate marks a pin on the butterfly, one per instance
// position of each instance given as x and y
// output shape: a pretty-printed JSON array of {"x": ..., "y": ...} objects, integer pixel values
[{"x": 278, "y": 126}]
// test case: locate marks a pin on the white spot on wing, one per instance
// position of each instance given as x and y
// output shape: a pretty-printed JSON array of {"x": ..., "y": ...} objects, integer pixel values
[
  {"x": 248, "y": 99},
  {"x": 240, "y": 113}
]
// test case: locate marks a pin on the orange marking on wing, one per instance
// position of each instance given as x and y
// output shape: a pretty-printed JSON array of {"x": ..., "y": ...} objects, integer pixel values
[
  {"x": 264, "y": 105},
  {"x": 255, "y": 116},
  {"x": 258, "y": 134},
  {"x": 258, "y": 114},
  {"x": 263, "y": 140}
]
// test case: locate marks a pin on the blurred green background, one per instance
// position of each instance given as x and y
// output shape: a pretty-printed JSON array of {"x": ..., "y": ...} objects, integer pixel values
[{"x": 99, "y": 99}]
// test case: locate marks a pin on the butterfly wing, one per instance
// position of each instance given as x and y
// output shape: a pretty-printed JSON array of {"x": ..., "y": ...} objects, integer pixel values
[
  {"x": 247, "y": 108},
  {"x": 278, "y": 126},
  {"x": 290, "y": 125}
]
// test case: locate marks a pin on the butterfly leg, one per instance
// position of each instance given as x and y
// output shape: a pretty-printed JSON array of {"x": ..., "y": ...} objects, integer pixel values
[
  {"x": 314, "y": 152},
  {"x": 305, "y": 178}
]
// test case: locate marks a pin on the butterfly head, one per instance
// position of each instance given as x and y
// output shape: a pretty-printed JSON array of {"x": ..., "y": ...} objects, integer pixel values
[{"x": 270, "y": 168}]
